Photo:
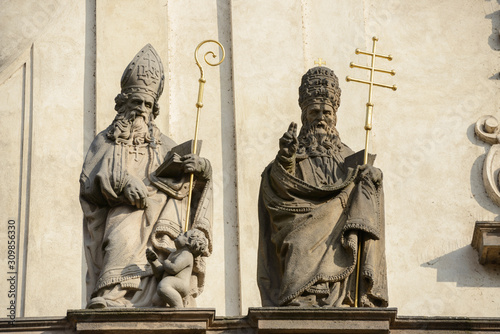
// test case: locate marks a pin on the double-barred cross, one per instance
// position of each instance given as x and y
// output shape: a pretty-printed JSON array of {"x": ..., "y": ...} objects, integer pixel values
[
  {"x": 368, "y": 124},
  {"x": 320, "y": 62},
  {"x": 372, "y": 83}
]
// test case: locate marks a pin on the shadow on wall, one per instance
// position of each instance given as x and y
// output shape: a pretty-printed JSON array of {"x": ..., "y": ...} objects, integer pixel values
[
  {"x": 478, "y": 190},
  {"x": 494, "y": 38},
  {"x": 462, "y": 266},
  {"x": 22, "y": 23}
]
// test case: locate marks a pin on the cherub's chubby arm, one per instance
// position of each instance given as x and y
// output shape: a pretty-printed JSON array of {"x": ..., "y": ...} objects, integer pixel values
[
  {"x": 170, "y": 250},
  {"x": 182, "y": 261},
  {"x": 158, "y": 268}
]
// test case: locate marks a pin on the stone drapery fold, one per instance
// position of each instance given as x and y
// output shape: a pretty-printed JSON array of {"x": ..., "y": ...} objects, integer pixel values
[
  {"x": 116, "y": 234},
  {"x": 309, "y": 235}
]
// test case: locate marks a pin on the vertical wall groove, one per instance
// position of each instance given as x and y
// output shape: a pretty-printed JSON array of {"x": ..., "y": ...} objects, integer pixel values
[
  {"x": 89, "y": 94},
  {"x": 25, "y": 177},
  {"x": 21, "y": 199},
  {"x": 232, "y": 275},
  {"x": 89, "y": 101}
]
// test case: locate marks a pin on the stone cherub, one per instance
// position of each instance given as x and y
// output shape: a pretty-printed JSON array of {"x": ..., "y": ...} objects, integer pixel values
[
  {"x": 174, "y": 272},
  {"x": 317, "y": 203}
]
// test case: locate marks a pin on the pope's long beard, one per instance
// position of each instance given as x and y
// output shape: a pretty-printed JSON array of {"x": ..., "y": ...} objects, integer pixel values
[
  {"x": 315, "y": 143},
  {"x": 129, "y": 128}
]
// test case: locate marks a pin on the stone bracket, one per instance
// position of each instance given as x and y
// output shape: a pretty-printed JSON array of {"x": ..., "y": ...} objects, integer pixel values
[
  {"x": 321, "y": 320},
  {"x": 486, "y": 240},
  {"x": 141, "y": 320}
]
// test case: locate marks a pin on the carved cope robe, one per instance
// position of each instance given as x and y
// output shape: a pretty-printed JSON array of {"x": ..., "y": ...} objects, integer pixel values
[
  {"x": 312, "y": 210},
  {"x": 117, "y": 232}
]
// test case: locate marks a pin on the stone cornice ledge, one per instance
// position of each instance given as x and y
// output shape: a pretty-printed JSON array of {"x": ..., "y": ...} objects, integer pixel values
[
  {"x": 448, "y": 324},
  {"x": 35, "y": 325}
]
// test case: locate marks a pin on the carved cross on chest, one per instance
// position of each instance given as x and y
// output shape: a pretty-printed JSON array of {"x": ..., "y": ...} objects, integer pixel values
[{"x": 136, "y": 152}]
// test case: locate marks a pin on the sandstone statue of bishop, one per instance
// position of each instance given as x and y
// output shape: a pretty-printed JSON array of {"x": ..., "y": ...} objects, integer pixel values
[{"x": 128, "y": 207}]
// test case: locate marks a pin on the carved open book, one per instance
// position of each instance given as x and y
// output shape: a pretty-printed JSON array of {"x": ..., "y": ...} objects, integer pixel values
[{"x": 356, "y": 159}]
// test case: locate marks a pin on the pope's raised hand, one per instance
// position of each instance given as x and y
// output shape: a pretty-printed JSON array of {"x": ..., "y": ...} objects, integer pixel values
[{"x": 289, "y": 142}]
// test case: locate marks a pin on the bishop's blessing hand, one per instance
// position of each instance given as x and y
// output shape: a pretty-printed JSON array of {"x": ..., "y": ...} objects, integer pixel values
[{"x": 289, "y": 142}]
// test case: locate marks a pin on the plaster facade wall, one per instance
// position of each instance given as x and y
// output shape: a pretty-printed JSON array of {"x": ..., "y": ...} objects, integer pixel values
[
  {"x": 58, "y": 82},
  {"x": 42, "y": 141}
]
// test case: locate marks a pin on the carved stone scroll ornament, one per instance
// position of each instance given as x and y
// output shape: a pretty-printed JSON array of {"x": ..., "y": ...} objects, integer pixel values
[
  {"x": 486, "y": 237},
  {"x": 488, "y": 130}
]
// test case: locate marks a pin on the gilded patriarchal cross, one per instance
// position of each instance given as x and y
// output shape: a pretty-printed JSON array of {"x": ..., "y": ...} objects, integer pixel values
[
  {"x": 369, "y": 104},
  {"x": 368, "y": 122},
  {"x": 320, "y": 62}
]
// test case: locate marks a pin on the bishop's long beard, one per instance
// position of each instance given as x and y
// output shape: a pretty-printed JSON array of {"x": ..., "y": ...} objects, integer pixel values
[
  {"x": 129, "y": 129},
  {"x": 314, "y": 143}
]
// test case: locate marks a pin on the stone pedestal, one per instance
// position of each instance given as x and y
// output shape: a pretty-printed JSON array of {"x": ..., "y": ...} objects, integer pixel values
[
  {"x": 486, "y": 240},
  {"x": 321, "y": 320},
  {"x": 141, "y": 320}
]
